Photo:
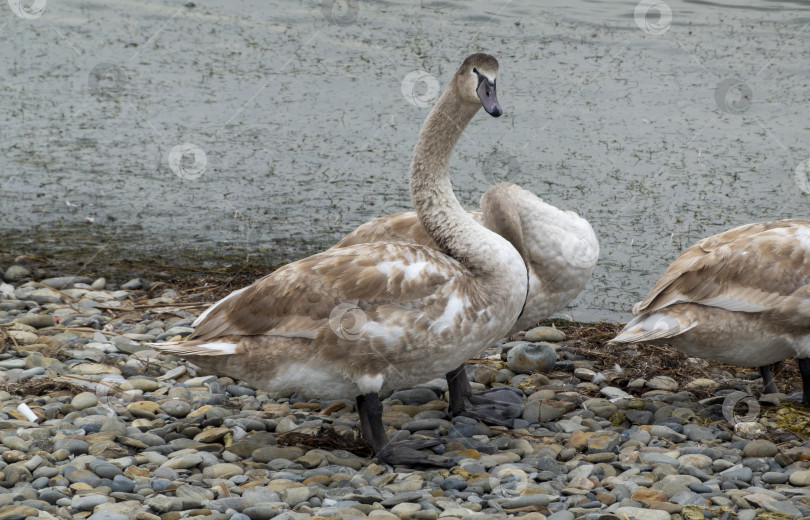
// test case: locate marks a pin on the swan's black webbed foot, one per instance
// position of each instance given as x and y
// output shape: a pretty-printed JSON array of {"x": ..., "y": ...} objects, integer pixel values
[
  {"x": 405, "y": 452},
  {"x": 498, "y": 406}
]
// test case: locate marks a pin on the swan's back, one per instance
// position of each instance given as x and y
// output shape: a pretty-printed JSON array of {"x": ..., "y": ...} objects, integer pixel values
[
  {"x": 397, "y": 227},
  {"x": 741, "y": 296}
]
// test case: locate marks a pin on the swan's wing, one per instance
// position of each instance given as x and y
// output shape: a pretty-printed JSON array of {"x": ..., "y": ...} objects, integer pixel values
[
  {"x": 299, "y": 299},
  {"x": 751, "y": 268},
  {"x": 397, "y": 227}
]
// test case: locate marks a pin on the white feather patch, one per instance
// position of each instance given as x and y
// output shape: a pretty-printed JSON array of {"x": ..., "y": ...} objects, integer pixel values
[
  {"x": 220, "y": 346},
  {"x": 370, "y": 384},
  {"x": 454, "y": 306},
  {"x": 411, "y": 270}
]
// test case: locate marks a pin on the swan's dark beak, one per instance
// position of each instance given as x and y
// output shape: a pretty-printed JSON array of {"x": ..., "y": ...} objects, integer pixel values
[{"x": 486, "y": 93}]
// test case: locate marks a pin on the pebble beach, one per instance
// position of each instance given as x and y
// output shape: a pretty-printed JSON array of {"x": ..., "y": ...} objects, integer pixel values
[{"x": 95, "y": 424}]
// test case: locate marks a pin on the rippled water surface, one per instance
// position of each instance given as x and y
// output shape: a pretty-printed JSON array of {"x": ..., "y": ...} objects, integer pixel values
[{"x": 659, "y": 130}]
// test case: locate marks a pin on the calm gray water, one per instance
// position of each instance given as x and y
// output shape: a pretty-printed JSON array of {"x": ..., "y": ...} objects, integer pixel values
[{"x": 659, "y": 130}]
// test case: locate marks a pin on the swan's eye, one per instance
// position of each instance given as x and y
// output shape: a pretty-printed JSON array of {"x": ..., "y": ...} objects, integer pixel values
[{"x": 475, "y": 70}]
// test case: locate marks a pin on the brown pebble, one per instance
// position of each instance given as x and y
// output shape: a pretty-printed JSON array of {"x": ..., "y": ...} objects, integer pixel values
[
  {"x": 407, "y": 409},
  {"x": 134, "y": 472},
  {"x": 318, "y": 479},
  {"x": 606, "y": 498},
  {"x": 275, "y": 411},
  {"x": 647, "y": 495},
  {"x": 11, "y": 456},
  {"x": 306, "y": 406},
  {"x": 579, "y": 440},
  {"x": 334, "y": 407}
]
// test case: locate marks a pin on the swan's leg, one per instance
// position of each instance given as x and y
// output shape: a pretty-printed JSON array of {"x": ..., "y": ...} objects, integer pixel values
[
  {"x": 499, "y": 412},
  {"x": 395, "y": 453},
  {"x": 804, "y": 369},
  {"x": 767, "y": 380}
]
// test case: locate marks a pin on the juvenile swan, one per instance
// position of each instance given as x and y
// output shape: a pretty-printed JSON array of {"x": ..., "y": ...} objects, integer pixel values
[
  {"x": 741, "y": 297},
  {"x": 558, "y": 247},
  {"x": 355, "y": 321}
]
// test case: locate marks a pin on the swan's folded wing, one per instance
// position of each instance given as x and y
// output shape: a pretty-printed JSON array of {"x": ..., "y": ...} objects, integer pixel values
[
  {"x": 299, "y": 299},
  {"x": 750, "y": 268},
  {"x": 398, "y": 227}
]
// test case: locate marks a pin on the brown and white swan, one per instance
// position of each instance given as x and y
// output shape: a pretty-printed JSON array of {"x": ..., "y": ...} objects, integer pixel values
[
  {"x": 741, "y": 297},
  {"x": 559, "y": 248},
  {"x": 370, "y": 318}
]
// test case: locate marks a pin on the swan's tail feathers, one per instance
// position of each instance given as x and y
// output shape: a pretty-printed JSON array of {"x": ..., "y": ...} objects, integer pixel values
[
  {"x": 651, "y": 327},
  {"x": 196, "y": 348}
]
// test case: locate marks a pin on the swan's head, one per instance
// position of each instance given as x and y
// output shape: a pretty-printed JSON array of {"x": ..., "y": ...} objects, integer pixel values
[{"x": 475, "y": 82}]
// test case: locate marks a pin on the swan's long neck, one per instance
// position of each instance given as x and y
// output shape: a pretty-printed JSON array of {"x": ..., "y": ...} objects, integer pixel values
[{"x": 441, "y": 215}]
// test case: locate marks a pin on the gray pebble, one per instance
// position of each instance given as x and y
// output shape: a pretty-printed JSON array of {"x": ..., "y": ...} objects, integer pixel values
[
  {"x": 526, "y": 358},
  {"x": 415, "y": 396},
  {"x": 88, "y": 502},
  {"x": 176, "y": 408},
  {"x": 132, "y": 285}
]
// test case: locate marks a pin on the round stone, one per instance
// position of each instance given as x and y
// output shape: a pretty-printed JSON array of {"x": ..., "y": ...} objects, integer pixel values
[
  {"x": 760, "y": 448},
  {"x": 176, "y": 408},
  {"x": 526, "y": 358},
  {"x": 800, "y": 478},
  {"x": 84, "y": 400},
  {"x": 15, "y": 273},
  {"x": 544, "y": 334},
  {"x": 223, "y": 470}
]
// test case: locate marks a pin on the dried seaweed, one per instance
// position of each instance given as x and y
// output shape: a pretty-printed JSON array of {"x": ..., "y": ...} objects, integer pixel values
[
  {"x": 327, "y": 438},
  {"x": 41, "y": 387},
  {"x": 644, "y": 360}
]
